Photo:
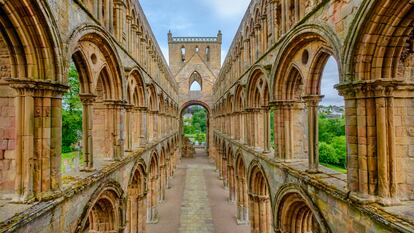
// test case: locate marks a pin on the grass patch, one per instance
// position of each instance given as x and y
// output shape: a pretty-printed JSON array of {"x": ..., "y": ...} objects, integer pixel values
[
  {"x": 69, "y": 155},
  {"x": 335, "y": 168},
  {"x": 68, "y": 160}
]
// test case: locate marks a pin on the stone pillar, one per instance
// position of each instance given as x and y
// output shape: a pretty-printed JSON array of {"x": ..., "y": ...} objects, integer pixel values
[
  {"x": 129, "y": 127},
  {"x": 284, "y": 132},
  {"x": 141, "y": 212},
  {"x": 266, "y": 129},
  {"x": 116, "y": 109},
  {"x": 242, "y": 208},
  {"x": 87, "y": 130},
  {"x": 133, "y": 210},
  {"x": 247, "y": 53},
  {"x": 118, "y": 14},
  {"x": 38, "y": 139},
  {"x": 163, "y": 182},
  {"x": 152, "y": 212},
  {"x": 155, "y": 125},
  {"x": 150, "y": 126},
  {"x": 243, "y": 127},
  {"x": 312, "y": 103},
  {"x": 144, "y": 126}
]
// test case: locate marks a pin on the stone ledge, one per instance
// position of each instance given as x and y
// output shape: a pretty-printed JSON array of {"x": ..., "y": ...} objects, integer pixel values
[{"x": 49, "y": 203}]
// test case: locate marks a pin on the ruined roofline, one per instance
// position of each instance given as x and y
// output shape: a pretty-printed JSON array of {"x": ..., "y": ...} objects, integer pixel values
[{"x": 196, "y": 39}]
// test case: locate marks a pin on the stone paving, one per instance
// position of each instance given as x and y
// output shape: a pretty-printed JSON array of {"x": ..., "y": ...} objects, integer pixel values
[
  {"x": 197, "y": 201},
  {"x": 195, "y": 210}
]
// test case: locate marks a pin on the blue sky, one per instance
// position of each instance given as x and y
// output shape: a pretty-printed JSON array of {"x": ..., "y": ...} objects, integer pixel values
[{"x": 205, "y": 18}]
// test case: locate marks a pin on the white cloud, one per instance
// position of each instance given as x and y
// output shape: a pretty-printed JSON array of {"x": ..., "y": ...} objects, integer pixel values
[{"x": 228, "y": 8}]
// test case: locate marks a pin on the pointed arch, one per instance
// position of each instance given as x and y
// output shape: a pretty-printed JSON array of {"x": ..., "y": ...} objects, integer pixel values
[{"x": 195, "y": 77}]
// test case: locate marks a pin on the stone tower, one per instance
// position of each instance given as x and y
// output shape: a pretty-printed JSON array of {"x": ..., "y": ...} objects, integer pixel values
[{"x": 183, "y": 49}]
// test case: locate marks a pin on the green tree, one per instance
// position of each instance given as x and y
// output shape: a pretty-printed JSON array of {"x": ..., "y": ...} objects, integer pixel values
[
  {"x": 327, "y": 154},
  {"x": 339, "y": 144},
  {"x": 332, "y": 140},
  {"x": 201, "y": 137},
  {"x": 72, "y": 112}
]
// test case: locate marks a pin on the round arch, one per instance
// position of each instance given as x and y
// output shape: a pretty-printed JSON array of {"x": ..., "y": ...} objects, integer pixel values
[
  {"x": 259, "y": 198},
  {"x": 153, "y": 187},
  {"x": 297, "y": 37},
  {"x": 242, "y": 197},
  {"x": 35, "y": 45},
  {"x": 136, "y": 199},
  {"x": 207, "y": 108},
  {"x": 98, "y": 36},
  {"x": 295, "y": 212},
  {"x": 105, "y": 206}
]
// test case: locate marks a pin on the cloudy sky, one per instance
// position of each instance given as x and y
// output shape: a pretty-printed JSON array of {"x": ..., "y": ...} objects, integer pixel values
[{"x": 205, "y": 18}]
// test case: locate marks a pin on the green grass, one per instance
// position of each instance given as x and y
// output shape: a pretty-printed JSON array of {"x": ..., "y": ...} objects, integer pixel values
[
  {"x": 335, "y": 168},
  {"x": 69, "y": 157}
]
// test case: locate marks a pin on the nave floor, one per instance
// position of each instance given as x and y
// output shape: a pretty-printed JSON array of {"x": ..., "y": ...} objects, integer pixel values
[{"x": 196, "y": 201}]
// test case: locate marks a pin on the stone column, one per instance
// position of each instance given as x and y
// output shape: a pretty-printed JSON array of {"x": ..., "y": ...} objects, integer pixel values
[
  {"x": 143, "y": 120},
  {"x": 128, "y": 128},
  {"x": 117, "y": 12},
  {"x": 156, "y": 125},
  {"x": 116, "y": 109},
  {"x": 142, "y": 211},
  {"x": 247, "y": 53},
  {"x": 266, "y": 129},
  {"x": 133, "y": 208},
  {"x": 87, "y": 130},
  {"x": 243, "y": 137},
  {"x": 38, "y": 139},
  {"x": 152, "y": 212},
  {"x": 150, "y": 126},
  {"x": 242, "y": 208},
  {"x": 263, "y": 204},
  {"x": 312, "y": 103},
  {"x": 284, "y": 131}
]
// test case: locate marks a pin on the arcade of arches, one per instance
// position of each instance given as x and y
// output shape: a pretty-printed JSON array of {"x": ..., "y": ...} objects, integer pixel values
[{"x": 131, "y": 115}]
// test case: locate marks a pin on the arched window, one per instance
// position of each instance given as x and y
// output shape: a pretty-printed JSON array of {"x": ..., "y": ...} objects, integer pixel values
[
  {"x": 208, "y": 53},
  {"x": 195, "y": 86},
  {"x": 183, "y": 53},
  {"x": 195, "y": 82},
  {"x": 197, "y": 49}
]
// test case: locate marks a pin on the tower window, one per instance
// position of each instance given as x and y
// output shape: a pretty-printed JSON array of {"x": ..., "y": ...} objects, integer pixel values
[
  {"x": 183, "y": 54},
  {"x": 208, "y": 53}
]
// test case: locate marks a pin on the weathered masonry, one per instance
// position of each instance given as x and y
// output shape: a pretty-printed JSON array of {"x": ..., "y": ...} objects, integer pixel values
[
  {"x": 130, "y": 123},
  {"x": 274, "y": 66},
  {"x": 132, "y": 102}
]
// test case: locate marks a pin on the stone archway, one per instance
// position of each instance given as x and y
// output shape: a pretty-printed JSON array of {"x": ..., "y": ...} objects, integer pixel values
[
  {"x": 295, "y": 212},
  {"x": 259, "y": 200},
  {"x": 207, "y": 108},
  {"x": 104, "y": 212},
  {"x": 137, "y": 197}
]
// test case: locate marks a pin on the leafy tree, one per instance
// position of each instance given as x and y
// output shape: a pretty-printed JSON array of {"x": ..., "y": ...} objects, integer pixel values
[
  {"x": 339, "y": 144},
  {"x": 196, "y": 126},
  {"x": 327, "y": 154},
  {"x": 72, "y": 112},
  {"x": 332, "y": 140},
  {"x": 201, "y": 137}
]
